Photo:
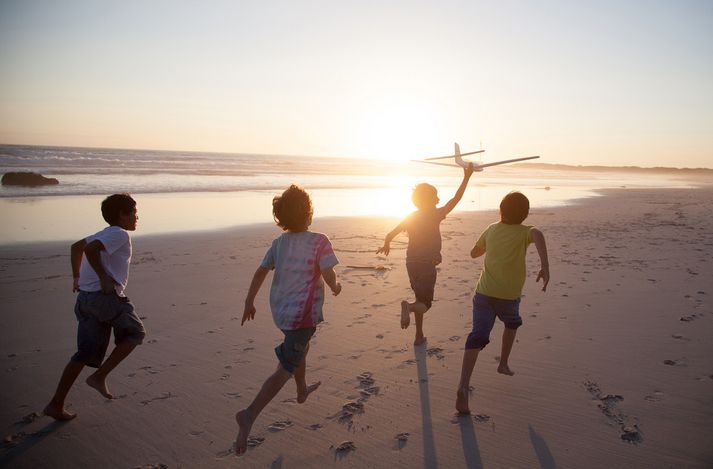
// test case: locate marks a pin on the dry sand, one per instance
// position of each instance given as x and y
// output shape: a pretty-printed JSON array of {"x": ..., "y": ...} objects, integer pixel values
[{"x": 614, "y": 363}]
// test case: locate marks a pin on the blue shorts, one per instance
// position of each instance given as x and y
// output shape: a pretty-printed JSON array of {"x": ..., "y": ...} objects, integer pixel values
[
  {"x": 293, "y": 349},
  {"x": 485, "y": 309},
  {"x": 97, "y": 314},
  {"x": 422, "y": 276}
]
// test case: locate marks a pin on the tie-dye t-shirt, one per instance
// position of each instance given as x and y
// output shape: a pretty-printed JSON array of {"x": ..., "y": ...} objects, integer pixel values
[{"x": 297, "y": 292}]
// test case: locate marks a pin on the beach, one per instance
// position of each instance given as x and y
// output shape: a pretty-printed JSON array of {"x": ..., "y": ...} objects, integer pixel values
[{"x": 612, "y": 366}]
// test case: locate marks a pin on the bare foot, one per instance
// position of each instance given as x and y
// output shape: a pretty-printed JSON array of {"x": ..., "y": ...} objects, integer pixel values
[
  {"x": 245, "y": 423},
  {"x": 58, "y": 413},
  {"x": 405, "y": 319},
  {"x": 462, "y": 401},
  {"x": 419, "y": 340},
  {"x": 100, "y": 385},
  {"x": 505, "y": 370},
  {"x": 302, "y": 396}
]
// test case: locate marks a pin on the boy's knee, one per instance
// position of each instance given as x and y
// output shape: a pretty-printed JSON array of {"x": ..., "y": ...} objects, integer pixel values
[
  {"x": 513, "y": 325},
  {"x": 476, "y": 341}
]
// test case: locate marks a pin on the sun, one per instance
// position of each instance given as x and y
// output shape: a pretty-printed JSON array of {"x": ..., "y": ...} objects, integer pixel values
[{"x": 399, "y": 132}]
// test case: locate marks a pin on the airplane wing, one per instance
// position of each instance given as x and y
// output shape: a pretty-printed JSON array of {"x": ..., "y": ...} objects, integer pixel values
[
  {"x": 495, "y": 163},
  {"x": 450, "y": 156},
  {"x": 460, "y": 162}
]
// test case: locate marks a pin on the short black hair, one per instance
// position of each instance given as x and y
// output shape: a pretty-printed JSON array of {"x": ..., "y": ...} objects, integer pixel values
[
  {"x": 114, "y": 205},
  {"x": 424, "y": 195},
  {"x": 292, "y": 210},
  {"x": 514, "y": 208}
]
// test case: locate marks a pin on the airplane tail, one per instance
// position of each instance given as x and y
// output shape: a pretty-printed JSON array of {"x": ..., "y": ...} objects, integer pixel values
[{"x": 458, "y": 157}]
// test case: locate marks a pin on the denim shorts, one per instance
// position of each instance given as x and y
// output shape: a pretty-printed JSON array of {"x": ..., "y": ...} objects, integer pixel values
[
  {"x": 97, "y": 314},
  {"x": 485, "y": 310},
  {"x": 293, "y": 349},
  {"x": 422, "y": 276}
]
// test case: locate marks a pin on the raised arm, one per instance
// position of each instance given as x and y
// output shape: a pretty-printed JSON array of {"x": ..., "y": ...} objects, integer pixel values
[
  {"x": 258, "y": 279},
  {"x": 330, "y": 277},
  {"x": 93, "y": 252},
  {"x": 389, "y": 237},
  {"x": 451, "y": 204},
  {"x": 75, "y": 257},
  {"x": 539, "y": 239}
]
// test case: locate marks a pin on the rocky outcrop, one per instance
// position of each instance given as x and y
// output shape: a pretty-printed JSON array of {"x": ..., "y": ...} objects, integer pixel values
[{"x": 27, "y": 179}]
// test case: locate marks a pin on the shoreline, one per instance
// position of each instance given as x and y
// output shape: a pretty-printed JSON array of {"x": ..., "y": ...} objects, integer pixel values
[{"x": 612, "y": 364}]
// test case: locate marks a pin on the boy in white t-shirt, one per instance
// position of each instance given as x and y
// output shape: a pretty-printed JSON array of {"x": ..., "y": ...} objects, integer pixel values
[
  {"x": 100, "y": 268},
  {"x": 300, "y": 259}
]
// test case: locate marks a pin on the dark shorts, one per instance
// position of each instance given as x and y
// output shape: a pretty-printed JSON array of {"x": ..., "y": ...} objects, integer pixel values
[
  {"x": 294, "y": 348},
  {"x": 485, "y": 310},
  {"x": 422, "y": 276},
  {"x": 97, "y": 314}
]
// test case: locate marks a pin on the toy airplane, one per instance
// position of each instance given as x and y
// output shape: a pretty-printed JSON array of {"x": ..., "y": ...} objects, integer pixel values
[{"x": 458, "y": 156}]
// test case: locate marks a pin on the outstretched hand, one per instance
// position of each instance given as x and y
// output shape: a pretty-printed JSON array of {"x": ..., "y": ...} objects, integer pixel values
[
  {"x": 468, "y": 171},
  {"x": 248, "y": 314},
  {"x": 384, "y": 249},
  {"x": 544, "y": 274}
]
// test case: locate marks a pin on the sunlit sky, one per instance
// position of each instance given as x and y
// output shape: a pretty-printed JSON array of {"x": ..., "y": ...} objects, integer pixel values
[{"x": 593, "y": 82}]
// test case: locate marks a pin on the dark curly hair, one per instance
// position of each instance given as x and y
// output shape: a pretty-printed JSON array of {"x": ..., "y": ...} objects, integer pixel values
[
  {"x": 114, "y": 205},
  {"x": 514, "y": 208},
  {"x": 292, "y": 210}
]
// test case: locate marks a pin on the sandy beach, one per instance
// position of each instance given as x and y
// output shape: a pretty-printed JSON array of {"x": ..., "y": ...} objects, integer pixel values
[{"x": 613, "y": 365}]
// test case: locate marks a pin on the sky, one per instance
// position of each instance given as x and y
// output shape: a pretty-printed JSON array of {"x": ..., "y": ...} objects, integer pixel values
[{"x": 587, "y": 82}]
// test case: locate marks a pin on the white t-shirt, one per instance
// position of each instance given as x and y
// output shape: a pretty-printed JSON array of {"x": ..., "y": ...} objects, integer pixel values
[{"x": 115, "y": 258}]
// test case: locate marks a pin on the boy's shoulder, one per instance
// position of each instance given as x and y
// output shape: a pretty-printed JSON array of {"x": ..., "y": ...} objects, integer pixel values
[{"x": 111, "y": 231}]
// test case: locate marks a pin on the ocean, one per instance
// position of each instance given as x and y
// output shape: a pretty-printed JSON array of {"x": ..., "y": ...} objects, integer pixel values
[{"x": 194, "y": 191}]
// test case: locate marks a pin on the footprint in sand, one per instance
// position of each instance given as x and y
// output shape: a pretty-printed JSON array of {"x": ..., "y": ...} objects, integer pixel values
[
  {"x": 279, "y": 425},
  {"x": 152, "y": 466},
  {"x": 401, "y": 440},
  {"x": 164, "y": 396},
  {"x": 345, "y": 447},
  {"x": 608, "y": 404},
  {"x": 481, "y": 418},
  {"x": 656, "y": 396},
  {"x": 679, "y": 362}
]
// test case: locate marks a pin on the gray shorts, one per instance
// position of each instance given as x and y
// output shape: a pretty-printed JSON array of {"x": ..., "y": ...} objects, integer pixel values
[
  {"x": 97, "y": 314},
  {"x": 293, "y": 349}
]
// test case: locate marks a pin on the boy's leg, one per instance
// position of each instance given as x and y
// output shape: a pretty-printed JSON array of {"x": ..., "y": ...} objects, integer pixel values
[
  {"x": 303, "y": 391},
  {"x": 509, "y": 313},
  {"x": 479, "y": 337},
  {"x": 508, "y": 340},
  {"x": 55, "y": 408},
  {"x": 419, "y": 309},
  {"x": 247, "y": 416},
  {"x": 97, "y": 380},
  {"x": 469, "y": 358},
  {"x": 128, "y": 333}
]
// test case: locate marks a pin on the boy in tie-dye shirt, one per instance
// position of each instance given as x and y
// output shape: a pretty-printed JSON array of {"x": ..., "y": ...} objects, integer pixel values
[{"x": 300, "y": 259}]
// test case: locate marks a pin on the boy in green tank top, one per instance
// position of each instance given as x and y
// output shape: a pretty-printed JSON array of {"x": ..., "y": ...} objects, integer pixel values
[{"x": 500, "y": 286}]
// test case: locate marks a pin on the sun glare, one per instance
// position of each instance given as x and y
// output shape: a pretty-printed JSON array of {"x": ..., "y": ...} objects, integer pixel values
[{"x": 399, "y": 133}]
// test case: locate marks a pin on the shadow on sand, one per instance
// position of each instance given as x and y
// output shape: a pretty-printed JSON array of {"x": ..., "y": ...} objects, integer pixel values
[
  {"x": 544, "y": 455},
  {"x": 27, "y": 441},
  {"x": 429, "y": 445},
  {"x": 471, "y": 452}
]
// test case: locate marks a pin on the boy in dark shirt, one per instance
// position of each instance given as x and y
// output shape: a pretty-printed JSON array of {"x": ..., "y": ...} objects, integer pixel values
[{"x": 424, "y": 248}]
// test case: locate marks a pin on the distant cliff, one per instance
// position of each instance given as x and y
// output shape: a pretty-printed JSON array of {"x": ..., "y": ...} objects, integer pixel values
[{"x": 27, "y": 179}]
